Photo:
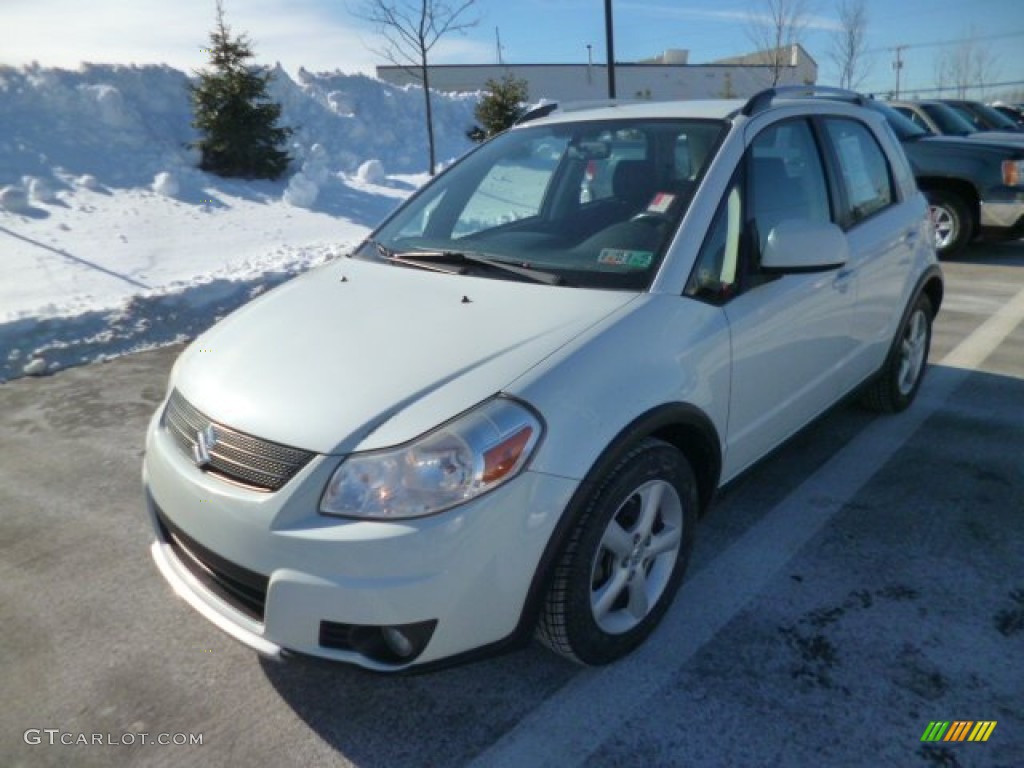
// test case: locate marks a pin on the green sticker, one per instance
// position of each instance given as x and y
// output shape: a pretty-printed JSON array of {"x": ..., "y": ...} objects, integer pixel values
[{"x": 619, "y": 257}]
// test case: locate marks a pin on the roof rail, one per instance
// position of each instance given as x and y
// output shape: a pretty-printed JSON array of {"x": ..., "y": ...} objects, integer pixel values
[{"x": 762, "y": 100}]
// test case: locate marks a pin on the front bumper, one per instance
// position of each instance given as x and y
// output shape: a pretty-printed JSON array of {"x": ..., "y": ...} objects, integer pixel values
[
  {"x": 1002, "y": 220},
  {"x": 469, "y": 569}
]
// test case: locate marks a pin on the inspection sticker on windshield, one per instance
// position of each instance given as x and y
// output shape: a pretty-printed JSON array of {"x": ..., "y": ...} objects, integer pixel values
[
  {"x": 622, "y": 258},
  {"x": 661, "y": 202}
]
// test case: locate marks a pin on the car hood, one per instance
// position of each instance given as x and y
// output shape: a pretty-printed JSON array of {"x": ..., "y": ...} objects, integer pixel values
[
  {"x": 997, "y": 137},
  {"x": 960, "y": 145},
  {"x": 371, "y": 355}
]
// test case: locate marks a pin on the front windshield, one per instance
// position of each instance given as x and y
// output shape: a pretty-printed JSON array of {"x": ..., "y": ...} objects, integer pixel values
[
  {"x": 997, "y": 120},
  {"x": 593, "y": 203},
  {"x": 905, "y": 129},
  {"x": 948, "y": 119}
]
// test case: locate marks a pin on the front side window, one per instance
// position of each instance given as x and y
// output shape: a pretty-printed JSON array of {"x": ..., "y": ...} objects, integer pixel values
[
  {"x": 787, "y": 180},
  {"x": 782, "y": 178},
  {"x": 590, "y": 204}
]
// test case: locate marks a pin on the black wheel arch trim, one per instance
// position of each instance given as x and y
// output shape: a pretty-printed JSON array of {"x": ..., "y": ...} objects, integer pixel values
[{"x": 930, "y": 283}]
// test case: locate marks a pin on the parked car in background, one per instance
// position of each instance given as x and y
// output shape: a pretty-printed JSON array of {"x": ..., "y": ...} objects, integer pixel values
[
  {"x": 503, "y": 413},
  {"x": 982, "y": 116},
  {"x": 975, "y": 188},
  {"x": 1013, "y": 111},
  {"x": 941, "y": 119}
]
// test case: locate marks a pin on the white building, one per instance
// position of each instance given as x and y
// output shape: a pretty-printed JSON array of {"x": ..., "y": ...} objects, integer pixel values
[{"x": 665, "y": 77}]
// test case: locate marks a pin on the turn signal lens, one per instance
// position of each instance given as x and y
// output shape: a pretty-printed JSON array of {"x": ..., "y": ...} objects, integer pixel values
[{"x": 1013, "y": 172}]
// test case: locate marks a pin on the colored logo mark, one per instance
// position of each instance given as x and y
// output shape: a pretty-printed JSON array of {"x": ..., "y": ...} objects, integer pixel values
[{"x": 959, "y": 730}]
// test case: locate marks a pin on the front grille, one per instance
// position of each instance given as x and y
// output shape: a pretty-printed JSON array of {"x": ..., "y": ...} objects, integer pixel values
[
  {"x": 233, "y": 455},
  {"x": 239, "y": 587}
]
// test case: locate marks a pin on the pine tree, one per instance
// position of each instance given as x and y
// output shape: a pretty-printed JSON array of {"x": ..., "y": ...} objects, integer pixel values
[
  {"x": 501, "y": 106},
  {"x": 232, "y": 111}
]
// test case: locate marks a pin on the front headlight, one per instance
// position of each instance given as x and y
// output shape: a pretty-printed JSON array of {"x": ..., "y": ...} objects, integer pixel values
[{"x": 454, "y": 463}]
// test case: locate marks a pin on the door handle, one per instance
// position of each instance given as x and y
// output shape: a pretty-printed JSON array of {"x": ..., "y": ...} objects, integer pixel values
[{"x": 841, "y": 282}]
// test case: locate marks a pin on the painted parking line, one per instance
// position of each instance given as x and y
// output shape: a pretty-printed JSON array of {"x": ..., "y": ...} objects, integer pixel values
[
  {"x": 973, "y": 350},
  {"x": 572, "y": 724}
]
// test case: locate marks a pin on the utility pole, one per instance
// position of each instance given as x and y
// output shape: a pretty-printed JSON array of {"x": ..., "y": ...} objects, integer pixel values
[
  {"x": 898, "y": 65},
  {"x": 590, "y": 64},
  {"x": 611, "y": 47}
]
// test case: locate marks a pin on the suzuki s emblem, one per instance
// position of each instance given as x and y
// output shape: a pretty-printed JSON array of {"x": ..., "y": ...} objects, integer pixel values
[{"x": 205, "y": 440}]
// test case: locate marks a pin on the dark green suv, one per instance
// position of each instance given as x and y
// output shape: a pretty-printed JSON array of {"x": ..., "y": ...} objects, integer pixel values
[{"x": 975, "y": 188}]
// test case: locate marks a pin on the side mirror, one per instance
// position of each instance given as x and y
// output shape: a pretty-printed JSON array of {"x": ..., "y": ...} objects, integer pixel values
[{"x": 801, "y": 245}]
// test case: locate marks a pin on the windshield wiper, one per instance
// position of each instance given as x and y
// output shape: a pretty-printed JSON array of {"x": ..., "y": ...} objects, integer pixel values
[{"x": 425, "y": 257}]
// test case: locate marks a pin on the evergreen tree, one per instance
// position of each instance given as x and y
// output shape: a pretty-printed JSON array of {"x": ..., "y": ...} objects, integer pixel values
[
  {"x": 500, "y": 107},
  {"x": 232, "y": 111}
]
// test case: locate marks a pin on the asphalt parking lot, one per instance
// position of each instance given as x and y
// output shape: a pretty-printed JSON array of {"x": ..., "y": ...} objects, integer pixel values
[{"x": 864, "y": 581}]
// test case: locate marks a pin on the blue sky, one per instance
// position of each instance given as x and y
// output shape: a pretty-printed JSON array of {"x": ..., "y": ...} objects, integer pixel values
[{"x": 324, "y": 35}]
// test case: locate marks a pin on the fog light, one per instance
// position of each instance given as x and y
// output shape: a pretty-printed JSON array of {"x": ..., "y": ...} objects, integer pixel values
[
  {"x": 396, "y": 644},
  {"x": 397, "y": 641}
]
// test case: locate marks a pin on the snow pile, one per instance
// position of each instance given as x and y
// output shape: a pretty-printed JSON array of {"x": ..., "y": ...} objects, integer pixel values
[
  {"x": 166, "y": 184},
  {"x": 112, "y": 239},
  {"x": 13, "y": 199},
  {"x": 41, "y": 191},
  {"x": 353, "y": 118},
  {"x": 304, "y": 186},
  {"x": 371, "y": 172}
]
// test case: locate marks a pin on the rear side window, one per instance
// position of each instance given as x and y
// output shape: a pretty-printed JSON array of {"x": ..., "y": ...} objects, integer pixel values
[{"x": 864, "y": 170}]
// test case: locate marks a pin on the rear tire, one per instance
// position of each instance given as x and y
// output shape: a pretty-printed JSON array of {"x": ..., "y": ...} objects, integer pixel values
[
  {"x": 896, "y": 386},
  {"x": 951, "y": 221},
  {"x": 625, "y": 557}
]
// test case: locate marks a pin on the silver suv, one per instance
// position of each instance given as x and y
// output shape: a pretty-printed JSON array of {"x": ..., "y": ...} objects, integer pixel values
[{"x": 504, "y": 412}]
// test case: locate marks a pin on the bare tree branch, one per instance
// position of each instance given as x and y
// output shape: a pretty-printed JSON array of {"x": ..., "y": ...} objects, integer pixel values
[
  {"x": 411, "y": 28},
  {"x": 775, "y": 27},
  {"x": 970, "y": 65},
  {"x": 849, "y": 43}
]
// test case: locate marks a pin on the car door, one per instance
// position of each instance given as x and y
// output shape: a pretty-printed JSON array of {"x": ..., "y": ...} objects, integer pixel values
[
  {"x": 882, "y": 234},
  {"x": 789, "y": 332}
]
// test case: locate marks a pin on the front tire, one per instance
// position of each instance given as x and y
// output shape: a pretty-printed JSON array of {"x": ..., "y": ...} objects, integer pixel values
[
  {"x": 951, "y": 222},
  {"x": 900, "y": 378},
  {"x": 625, "y": 557}
]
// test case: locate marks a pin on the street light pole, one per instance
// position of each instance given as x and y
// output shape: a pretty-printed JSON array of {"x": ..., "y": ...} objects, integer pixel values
[
  {"x": 898, "y": 65},
  {"x": 611, "y": 47}
]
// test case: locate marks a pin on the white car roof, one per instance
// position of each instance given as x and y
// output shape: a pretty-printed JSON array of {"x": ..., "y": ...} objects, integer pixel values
[
  {"x": 715, "y": 109},
  {"x": 707, "y": 108}
]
